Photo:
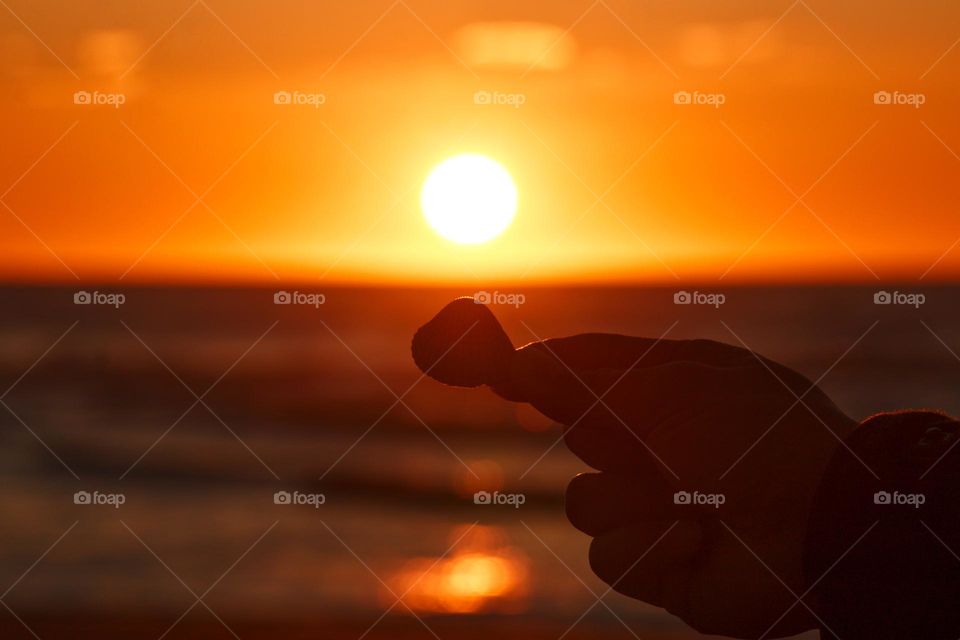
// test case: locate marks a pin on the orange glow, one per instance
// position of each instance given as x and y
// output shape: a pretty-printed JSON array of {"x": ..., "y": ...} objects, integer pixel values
[
  {"x": 482, "y": 574},
  {"x": 202, "y": 175}
]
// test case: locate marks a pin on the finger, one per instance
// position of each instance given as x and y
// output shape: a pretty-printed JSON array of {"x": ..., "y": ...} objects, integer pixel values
[
  {"x": 652, "y": 562},
  {"x": 614, "y": 450},
  {"x": 571, "y": 397},
  {"x": 562, "y": 363},
  {"x": 634, "y": 428},
  {"x": 642, "y": 400},
  {"x": 599, "y": 502},
  {"x": 537, "y": 377},
  {"x": 632, "y": 402},
  {"x": 590, "y": 351}
]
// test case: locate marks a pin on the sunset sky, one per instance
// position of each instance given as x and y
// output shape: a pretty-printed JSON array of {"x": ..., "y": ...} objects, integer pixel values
[{"x": 200, "y": 176}]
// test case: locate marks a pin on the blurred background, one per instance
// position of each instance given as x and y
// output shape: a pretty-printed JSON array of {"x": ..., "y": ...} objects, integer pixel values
[{"x": 169, "y": 167}]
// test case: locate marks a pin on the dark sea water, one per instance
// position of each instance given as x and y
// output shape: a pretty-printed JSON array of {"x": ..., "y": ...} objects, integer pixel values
[{"x": 198, "y": 405}]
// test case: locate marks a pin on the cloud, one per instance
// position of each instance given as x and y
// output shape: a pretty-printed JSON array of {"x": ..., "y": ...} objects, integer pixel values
[
  {"x": 515, "y": 44},
  {"x": 711, "y": 45}
]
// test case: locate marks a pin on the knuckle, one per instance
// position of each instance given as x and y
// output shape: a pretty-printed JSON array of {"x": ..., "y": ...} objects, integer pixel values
[
  {"x": 601, "y": 562},
  {"x": 579, "y": 496}
]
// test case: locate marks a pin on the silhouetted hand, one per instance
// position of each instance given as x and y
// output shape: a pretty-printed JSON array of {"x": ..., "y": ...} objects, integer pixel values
[{"x": 715, "y": 421}]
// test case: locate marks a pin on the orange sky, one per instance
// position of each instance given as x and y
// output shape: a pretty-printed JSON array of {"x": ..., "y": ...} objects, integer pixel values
[{"x": 331, "y": 193}]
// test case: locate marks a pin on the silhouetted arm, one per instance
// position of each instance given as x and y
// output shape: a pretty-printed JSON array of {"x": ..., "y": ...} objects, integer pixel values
[
  {"x": 728, "y": 488},
  {"x": 884, "y": 535}
]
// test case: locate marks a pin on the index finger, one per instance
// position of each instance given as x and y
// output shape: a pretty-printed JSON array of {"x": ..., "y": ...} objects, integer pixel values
[
  {"x": 590, "y": 351},
  {"x": 555, "y": 371}
]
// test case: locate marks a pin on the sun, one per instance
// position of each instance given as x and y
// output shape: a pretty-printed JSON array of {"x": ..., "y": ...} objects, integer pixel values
[{"x": 469, "y": 198}]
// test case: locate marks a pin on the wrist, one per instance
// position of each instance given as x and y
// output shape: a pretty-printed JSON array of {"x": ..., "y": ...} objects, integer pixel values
[{"x": 870, "y": 561}]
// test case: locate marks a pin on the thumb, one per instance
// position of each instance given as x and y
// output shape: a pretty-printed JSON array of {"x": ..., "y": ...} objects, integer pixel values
[{"x": 537, "y": 376}]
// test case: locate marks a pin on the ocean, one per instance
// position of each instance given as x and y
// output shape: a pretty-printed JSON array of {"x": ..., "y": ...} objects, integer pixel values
[{"x": 205, "y": 462}]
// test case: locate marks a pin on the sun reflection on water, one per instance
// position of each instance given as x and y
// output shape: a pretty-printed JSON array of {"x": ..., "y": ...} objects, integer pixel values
[{"x": 482, "y": 573}]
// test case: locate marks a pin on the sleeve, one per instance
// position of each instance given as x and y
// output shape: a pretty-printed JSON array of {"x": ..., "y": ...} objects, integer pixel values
[{"x": 881, "y": 554}]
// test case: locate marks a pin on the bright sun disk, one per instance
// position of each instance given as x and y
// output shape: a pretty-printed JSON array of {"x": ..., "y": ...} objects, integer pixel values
[{"x": 469, "y": 198}]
